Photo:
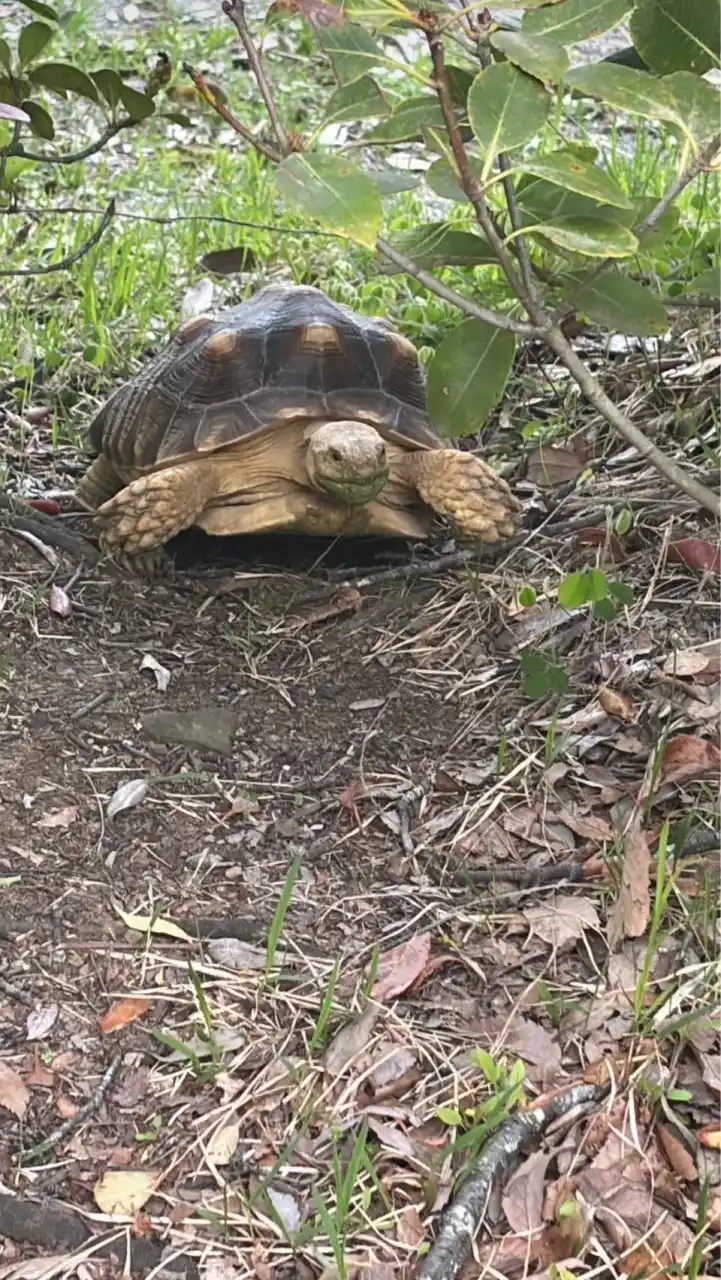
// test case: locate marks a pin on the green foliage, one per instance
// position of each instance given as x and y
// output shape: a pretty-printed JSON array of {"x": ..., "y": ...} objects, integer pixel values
[
  {"x": 467, "y": 375},
  {"x": 543, "y": 676},
  {"x": 678, "y": 35},
  {"x": 591, "y": 586},
  {"x": 615, "y": 301},
  {"x": 506, "y": 108},
  {"x": 572, "y": 21},
  {"x": 335, "y": 191},
  {"x": 536, "y": 55}
]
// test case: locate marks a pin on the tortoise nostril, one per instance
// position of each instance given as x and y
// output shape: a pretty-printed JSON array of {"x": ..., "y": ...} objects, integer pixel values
[{"x": 335, "y": 454}]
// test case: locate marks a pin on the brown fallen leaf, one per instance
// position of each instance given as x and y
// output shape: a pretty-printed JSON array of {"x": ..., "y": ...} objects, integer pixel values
[
  {"x": 63, "y": 818},
  {"x": 534, "y": 1044},
  {"x": 551, "y": 465},
  {"x": 123, "y": 1012},
  {"x": 710, "y": 1136},
  {"x": 66, "y": 1108},
  {"x": 696, "y": 554},
  {"x": 677, "y": 1154},
  {"x": 562, "y": 920},
  {"x": 702, "y": 663},
  {"x": 39, "y": 1075},
  {"x": 124, "y": 1191},
  {"x": 401, "y": 966},
  {"x": 523, "y": 1196},
  {"x": 687, "y": 756},
  {"x": 410, "y": 1229},
  {"x": 350, "y": 1042},
  {"x": 348, "y": 600},
  {"x": 612, "y": 546},
  {"x": 618, "y": 705},
  {"x": 630, "y": 912},
  {"x": 14, "y": 1095}
]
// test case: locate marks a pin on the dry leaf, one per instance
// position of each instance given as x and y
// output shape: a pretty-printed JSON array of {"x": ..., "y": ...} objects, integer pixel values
[
  {"x": 350, "y": 1041},
  {"x": 550, "y": 465},
  {"x": 533, "y": 1043},
  {"x": 687, "y": 756},
  {"x": 124, "y": 1190},
  {"x": 697, "y": 554},
  {"x": 123, "y": 1012},
  {"x": 702, "y": 662},
  {"x": 14, "y": 1095},
  {"x": 232, "y": 953},
  {"x": 161, "y": 673},
  {"x": 562, "y": 920},
  {"x": 629, "y": 915},
  {"x": 66, "y": 1108},
  {"x": 287, "y": 1208},
  {"x": 126, "y": 797},
  {"x": 678, "y": 1156},
  {"x": 148, "y": 924},
  {"x": 710, "y": 1136},
  {"x": 612, "y": 546},
  {"x": 410, "y": 1229},
  {"x": 348, "y": 600},
  {"x": 224, "y": 1143},
  {"x": 40, "y": 1021},
  {"x": 63, "y": 818},
  {"x": 59, "y": 602},
  {"x": 197, "y": 299},
  {"x": 392, "y": 1062},
  {"x": 523, "y": 1196},
  {"x": 618, "y": 705},
  {"x": 399, "y": 968}
]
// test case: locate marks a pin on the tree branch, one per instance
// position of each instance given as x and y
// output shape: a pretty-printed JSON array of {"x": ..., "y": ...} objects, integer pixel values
[
  {"x": 72, "y": 258},
  {"x": 51, "y": 157},
  {"x": 701, "y": 161},
  {"x": 235, "y": 10},
  {"x": 236, "y": 125}
]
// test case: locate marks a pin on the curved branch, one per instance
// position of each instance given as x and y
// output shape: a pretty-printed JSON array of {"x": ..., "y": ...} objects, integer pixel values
[
  {"x": 51, "y": 157},
  {"x": 72, "y": 258}
]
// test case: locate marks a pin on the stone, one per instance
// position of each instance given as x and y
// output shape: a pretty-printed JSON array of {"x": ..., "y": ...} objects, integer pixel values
[{"x": 207, "y": 728}]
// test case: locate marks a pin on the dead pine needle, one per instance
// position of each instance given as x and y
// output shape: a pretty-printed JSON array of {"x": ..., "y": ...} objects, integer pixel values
[{"x": 461, "y": 1221}]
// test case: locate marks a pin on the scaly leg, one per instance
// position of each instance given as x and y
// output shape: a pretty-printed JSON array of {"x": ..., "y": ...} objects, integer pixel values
[
  {"x": 100, "y": 483},
  {"x": 465, "y": 489},
  {"x": 136, "y": 523}
]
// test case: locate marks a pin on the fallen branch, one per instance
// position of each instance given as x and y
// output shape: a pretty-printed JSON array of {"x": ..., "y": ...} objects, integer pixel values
[
  {"x": 32, "y": 1154},
  {"x": 15, "y": 514},
  {"x": 453, "y": 1245},
  {"x": 71, "y": 258}
]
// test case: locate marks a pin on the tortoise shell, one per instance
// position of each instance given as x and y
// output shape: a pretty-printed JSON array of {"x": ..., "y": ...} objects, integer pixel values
[{"x": 289, "y": 353}]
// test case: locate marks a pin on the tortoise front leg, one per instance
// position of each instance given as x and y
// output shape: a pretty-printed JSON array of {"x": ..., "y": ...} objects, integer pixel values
[
  {"x": 465, "y": 489},
  {"x": 99, "y": 483},
  {"x": 149, "y": 511}
]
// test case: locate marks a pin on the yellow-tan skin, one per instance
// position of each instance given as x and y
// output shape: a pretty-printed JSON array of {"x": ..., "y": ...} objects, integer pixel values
[{"x": 314, "y": 477}]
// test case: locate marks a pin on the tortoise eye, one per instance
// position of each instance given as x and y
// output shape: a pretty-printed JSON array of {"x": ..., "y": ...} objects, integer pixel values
[{"x": 335, "y": 454}]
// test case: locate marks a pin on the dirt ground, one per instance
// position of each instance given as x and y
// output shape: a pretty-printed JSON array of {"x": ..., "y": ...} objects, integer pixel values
[{"x": 382, "y": 748}]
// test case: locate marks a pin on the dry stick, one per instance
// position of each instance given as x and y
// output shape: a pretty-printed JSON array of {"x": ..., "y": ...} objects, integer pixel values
[
  {"x": 71, "y": 258},
  {"x": 69, "y": 1126},
  {"x": 235, "y": 10},
  {"x": 208, "y": 96},
  {"x": 552, "y": 334},
  {"x": 15, "y": 514},
  {"x": 460, "y": 1223}
]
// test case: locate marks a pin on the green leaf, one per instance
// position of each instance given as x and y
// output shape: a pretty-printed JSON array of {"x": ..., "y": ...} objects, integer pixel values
[
  {"x": 636, "y": 92},
  {"x": 177, "y": 117},
  {"x": 575, "y": 20},
  {"x": 545, "y": 202},
  {"x": 537, "y": 55},
  {"x": 565, "y": 169},
  {"x": 41, "y": 122},
  {"x": 621, "y": 591},
  {"x": 138, "y": 105},
  {"x": 707, "y": 283},
  {"x": 15, "y": 166},
  {"x": 443, "y": 179},
  {"x": 407, "y": 120},
  {"x": 459, "y": 83},
  {"x": 64, "y": 78},
  {"x": 585, "y": 587},
  {"x": 437, "y": 244},
  {"x": 335, "y": 192},
  {"x": 677, "y": 35},
  {"x": 390, "y": 181},
  {"x": 592, "y": 237},
  {"x": 351, "y": 49},
  {"x": 450, "y": 1116},
  {"x": 604, "y": 609},
  {"x": 542, "y": 675},
  {"x": 617, "y": 302},
  {"x": 32, "y": 40},
  {"x": 466, "y": 376},
  {"x": 358, "y": 100},
  {"x": 661, "y": 230},
  {"x": 506, "y": 108},
  {"x": 6, "y": 57},
  {"x": 109, "y": 84},
  {"x": 43, "y": 10},
  {"x": 698, "y": 104},
  {"x": 12, "y": 89},
  {"x": 527, "y": 597}
]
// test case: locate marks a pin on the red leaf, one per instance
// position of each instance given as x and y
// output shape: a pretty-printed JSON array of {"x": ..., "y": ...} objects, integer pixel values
[
  {"x": 697, "y": 554},
  {"x": 687, "y": 756},
  {"x": 48, "y": 505},
  {"x": 123, "y": 1012},
  {"x": 400, "y": 967}
]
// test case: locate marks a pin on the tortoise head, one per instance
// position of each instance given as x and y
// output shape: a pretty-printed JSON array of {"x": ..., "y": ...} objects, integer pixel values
[{"x": 347, "y": 461}]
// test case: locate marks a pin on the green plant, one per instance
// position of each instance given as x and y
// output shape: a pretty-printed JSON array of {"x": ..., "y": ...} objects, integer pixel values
[
  {"x": 278, "y": 921},
  {"x": 553, "y": 218},
  {"x": 479, "y": 1122},
  {"x": 204, "y": 1071}
]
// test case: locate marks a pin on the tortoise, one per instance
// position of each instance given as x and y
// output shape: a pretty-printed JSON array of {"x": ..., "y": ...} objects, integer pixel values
[{"x": 287, "y": 412}]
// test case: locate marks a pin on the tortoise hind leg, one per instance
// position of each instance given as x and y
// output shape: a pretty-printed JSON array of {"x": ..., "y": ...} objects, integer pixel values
[
  {"x": 466, "y": 490},
  {"x": 149, "y": 511},
  {"x": 99, "y": 483}
]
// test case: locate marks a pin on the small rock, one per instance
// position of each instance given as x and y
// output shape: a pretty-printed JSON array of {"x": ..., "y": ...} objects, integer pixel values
[{"x": 209, "y": 728}]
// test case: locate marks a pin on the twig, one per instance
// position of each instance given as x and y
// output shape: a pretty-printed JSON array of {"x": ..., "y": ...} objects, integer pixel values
[
  {"x": 30, "y": 1154},
  {"x": 183, "y": 217},
  {"x": 701, "y": 161},
  {"x": 441, "y": 290},
  {"x": 235, "y": 10},
  {"x": 460, "y": 1224},
  {"x": 71, "y": 258},
  {"x": 47, "y": 528},
  {"x": 52, "y": 157},
  {"x": 236, "y": 125}
]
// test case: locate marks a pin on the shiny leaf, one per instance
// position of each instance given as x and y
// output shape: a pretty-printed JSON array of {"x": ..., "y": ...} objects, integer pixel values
[
  {"x": 677, "y": 35},
  {"x": 351, "y": 49},
  {"x": 41, "y": 122},
  {"x": 590, "y": 236},
  {"x": 407, "y": 120},
  {"x": 637, "y": 92},
  {"x": 698, "y": 104},
  {"x": 537, "y": 55},
  {"x": 459, "y": 82},
  {"x": 443, "y": 179},
  {"x": 358, "y": 100},
  {"x": 566, "y": 170},
  {"x": 109, "y": 84},
  {"x": 466, "y": 376},
  {"x": 43, "y": 10},
  {"x": 436, "y": 244},
  {"x": 138, "y": 105},
  {"x": 617, "y": 302},
  {"x": 575, "y": 20},
  {"x": 6, "y": 57},
  {"x": 506, "y": 109},
  {"x": 32, "y": 40},
  {"x": 335, "y": 192},
  {"x": 64, "y": 78}
]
